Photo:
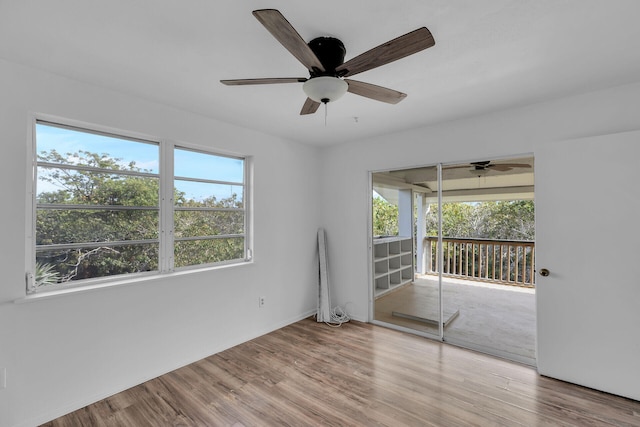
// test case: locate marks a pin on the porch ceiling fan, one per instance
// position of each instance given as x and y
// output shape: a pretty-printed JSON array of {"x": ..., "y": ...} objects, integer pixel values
[
  {"x": 324, "y": 59},
  {"x": 486, "y": 165}
]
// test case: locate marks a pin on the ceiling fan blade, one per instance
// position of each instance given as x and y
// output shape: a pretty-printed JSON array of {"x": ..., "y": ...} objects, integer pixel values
[
  {"x": 501, "y": 168},
  {"x": 310, "y": 106},
  {"x": 511, "y": 165},
  {"x": 265, "y": 81},
  {"x": 390, "y": 51},
  {"x": 457, "y": 166},
  {"x": 507, "y": 166},
  {"x": 288, "y": 37},
  {"x": 378, "y": 93}
]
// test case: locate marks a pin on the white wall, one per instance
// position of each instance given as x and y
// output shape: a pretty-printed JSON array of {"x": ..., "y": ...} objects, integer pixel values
[
  {"x": 516, "y": 131},
  {"x": 63, "y": 353},
  {"x": 66, "y": 352}
]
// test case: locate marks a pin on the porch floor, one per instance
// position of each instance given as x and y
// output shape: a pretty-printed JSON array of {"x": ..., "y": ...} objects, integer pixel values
[{"x": 495, "y": 318}]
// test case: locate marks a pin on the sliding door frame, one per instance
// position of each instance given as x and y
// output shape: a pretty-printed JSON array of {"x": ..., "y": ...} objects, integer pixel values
[{"x": 440, "y": 336}]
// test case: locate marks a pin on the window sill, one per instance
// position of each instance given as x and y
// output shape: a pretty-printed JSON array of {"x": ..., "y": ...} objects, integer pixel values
[{"x": 57, "y": 293}]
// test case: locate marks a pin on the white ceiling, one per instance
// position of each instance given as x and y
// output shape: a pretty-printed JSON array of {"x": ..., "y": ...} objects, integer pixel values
[{"x": 489, "y": 55}]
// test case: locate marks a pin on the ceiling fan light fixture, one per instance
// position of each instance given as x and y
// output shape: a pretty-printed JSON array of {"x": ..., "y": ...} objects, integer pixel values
[{"x": 325, "y": 88}]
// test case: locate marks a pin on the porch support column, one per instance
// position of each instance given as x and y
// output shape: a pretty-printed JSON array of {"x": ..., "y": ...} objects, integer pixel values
[
  {"x": 405, "y": 215},
  {"x": 421, "y": 233}
]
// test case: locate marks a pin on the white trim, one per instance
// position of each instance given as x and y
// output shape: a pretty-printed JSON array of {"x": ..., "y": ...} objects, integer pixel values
[
  {"x": 120, "y": 281},
  {"x": 440, "y": 255},
  {"x": 247, "y": 198},
  {"x": 95, "y": 128},
  {"x": 30, "y": 205},
  {"x": 166, "y": 262},
  {"x": 370, "y": 263}
]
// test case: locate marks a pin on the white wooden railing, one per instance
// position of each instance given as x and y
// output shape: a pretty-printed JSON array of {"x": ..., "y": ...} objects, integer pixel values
[{"x": 498, "y": 261}]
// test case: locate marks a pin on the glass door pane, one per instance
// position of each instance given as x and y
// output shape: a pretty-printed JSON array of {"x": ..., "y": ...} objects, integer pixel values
[
  {"x": 400, "y": 203},
  {"x": 488, "y": 249}
]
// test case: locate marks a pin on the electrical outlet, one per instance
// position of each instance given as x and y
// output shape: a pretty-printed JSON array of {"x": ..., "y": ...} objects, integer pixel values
[
  {"x": 261, "y": 302},
  {"x": 3, "y": 378}
]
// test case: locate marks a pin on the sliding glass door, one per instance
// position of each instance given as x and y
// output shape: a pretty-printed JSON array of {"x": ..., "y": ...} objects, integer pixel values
[{"x": 470, "y": 227}]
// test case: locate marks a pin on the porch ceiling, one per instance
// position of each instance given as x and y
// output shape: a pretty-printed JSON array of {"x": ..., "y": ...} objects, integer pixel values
[{"x": 460, "y": 182}]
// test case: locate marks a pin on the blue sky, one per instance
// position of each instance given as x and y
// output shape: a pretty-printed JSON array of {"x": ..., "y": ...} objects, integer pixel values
[
  {"x": 146, "y": 156},
  {"x": 66, "y": 141}
]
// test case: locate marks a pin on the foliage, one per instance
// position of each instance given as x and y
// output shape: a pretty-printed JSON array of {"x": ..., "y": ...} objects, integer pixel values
[
  {"x": 510, "y": 220},
  {"x": 495, "y": 220},
  {"x": 209, "y": 223},
  {"x": 502, "y": 220},
  {"x": 140, "y": 221},
  {"x": 385, "y": 218},
  {"x": 46, "y": 274},
  {"x": 457, "y": 220}
]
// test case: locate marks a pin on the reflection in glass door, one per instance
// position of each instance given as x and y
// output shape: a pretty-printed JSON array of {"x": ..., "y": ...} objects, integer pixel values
[{"x": 398, "y": 250}]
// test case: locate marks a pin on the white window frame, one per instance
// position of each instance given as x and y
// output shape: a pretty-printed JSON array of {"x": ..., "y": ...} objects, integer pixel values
[
  {"x": 165, "y": 204},
  {"x": 171, "y": 147}
]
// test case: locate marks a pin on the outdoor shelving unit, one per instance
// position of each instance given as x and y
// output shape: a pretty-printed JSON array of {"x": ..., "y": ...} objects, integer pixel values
[{"x": 393, "y": 263}]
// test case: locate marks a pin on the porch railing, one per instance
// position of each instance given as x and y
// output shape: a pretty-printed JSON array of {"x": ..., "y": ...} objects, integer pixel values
[{"x": 497, "y": 261}]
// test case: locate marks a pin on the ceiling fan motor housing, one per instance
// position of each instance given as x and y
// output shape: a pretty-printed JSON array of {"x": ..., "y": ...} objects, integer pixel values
[{"x": 330, "y": 52}]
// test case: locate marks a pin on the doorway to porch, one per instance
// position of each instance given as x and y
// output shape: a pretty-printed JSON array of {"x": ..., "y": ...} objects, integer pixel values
[{"x": 464, "y": 273}]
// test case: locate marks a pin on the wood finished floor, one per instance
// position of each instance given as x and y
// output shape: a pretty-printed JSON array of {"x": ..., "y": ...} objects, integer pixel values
[{"x": 309, "y": 374}]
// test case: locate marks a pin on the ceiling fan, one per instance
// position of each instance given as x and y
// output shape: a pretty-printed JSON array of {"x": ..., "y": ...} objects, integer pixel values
[
  {"x": 324, "y": 58},
  {"x": 486, "y": 165}
]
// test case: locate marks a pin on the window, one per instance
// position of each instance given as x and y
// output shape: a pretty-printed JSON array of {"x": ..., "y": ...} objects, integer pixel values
[
  {"x": 209, "y": 213},
  {"x": 108, "y": 205}
]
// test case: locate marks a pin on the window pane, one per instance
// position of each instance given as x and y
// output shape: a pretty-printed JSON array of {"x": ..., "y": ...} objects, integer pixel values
[
  {"x": 196, "y": 252},
  {"x": 192, "y": 164},
  {"x": 77, "y": 147},
  {"x": 67, "y": 186},
  {"x": 63, "y": 266},
  {"x": 203, "y": 223},
  {"x": 193, "y": 173},
  {"x": 123, "y": 184},
  {"x": 204, "y": 194},
  {"x": 57, "y": 226}
]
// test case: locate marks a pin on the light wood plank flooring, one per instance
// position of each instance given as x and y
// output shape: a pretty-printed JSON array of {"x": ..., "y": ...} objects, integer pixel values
[{"x": 310, "y": 374}]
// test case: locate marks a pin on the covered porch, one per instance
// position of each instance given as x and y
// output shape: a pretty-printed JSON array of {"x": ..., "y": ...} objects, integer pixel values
[{"x": 490, "y": 317}]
